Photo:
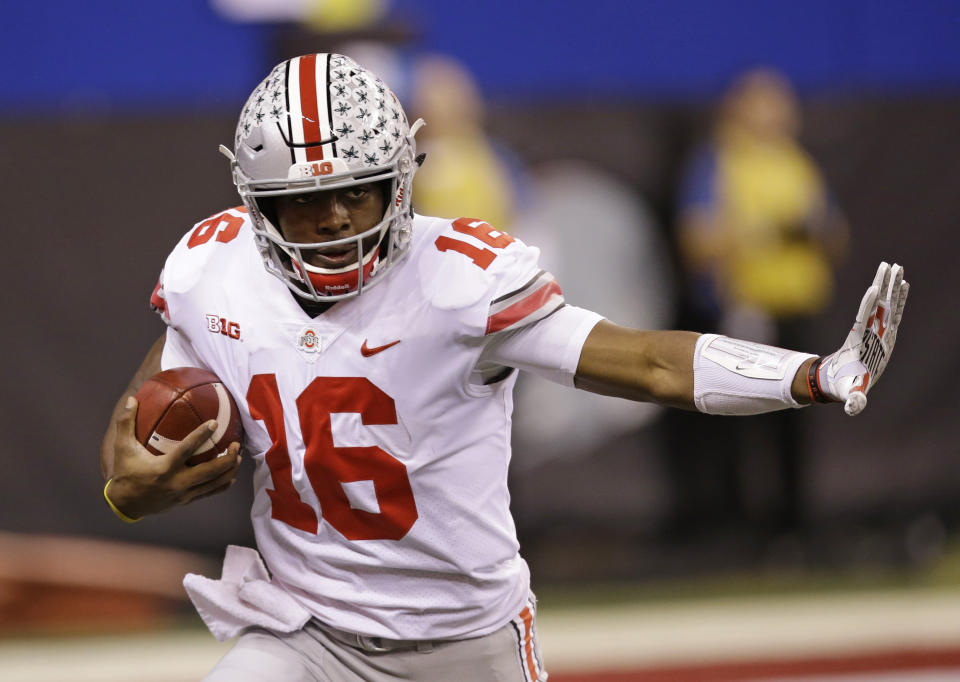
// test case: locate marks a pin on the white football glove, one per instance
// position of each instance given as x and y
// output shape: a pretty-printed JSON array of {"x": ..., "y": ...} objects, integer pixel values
[{"x": 847, "y": 375}]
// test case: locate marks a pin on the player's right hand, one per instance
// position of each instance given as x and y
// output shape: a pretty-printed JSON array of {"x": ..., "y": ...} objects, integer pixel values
[
  {"x": 143, "y": 483},
  {"x": 847, "y": 375}
]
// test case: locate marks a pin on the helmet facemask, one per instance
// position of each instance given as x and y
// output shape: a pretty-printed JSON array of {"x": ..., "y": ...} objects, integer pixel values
[{"x": 364, "y": 139}]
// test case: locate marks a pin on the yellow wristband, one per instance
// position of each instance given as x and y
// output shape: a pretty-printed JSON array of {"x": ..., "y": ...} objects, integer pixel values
[{"x": 120, "y": 515}]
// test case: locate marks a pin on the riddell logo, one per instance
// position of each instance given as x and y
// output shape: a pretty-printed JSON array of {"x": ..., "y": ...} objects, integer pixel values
[
  {"x": 220, "y": 325},
  {"x": 399, "y": 199}
]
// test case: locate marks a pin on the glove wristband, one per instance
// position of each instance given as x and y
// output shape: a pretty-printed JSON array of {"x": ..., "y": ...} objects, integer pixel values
[
  {"x": 813, "y": 383},
  {"x": 120, "y": 515}
]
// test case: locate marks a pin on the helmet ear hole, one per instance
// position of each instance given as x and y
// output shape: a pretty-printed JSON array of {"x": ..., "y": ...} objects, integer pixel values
[{"x": 255, "y": 139}]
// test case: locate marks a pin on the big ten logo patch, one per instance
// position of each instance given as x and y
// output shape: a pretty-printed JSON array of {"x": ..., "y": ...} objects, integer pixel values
[
  {"x": 309, "y": 170},
  {"x": 220, "y": 325},
  {"x": 323, "y": 168}
]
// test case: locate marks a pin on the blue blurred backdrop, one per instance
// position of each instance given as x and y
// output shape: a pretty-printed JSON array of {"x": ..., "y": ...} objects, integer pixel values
[{"x": 110, "y": 54}]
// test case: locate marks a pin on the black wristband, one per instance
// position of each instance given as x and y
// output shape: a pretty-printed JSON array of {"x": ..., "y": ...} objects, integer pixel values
[{"x": 813, "y": 383}]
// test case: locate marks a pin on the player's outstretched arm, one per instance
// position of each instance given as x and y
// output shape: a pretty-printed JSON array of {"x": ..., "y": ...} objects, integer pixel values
[
  {"x": 719, "y": 375},
  {"x": 648, "y": 366},
  {"x": 142, "y": 483}
]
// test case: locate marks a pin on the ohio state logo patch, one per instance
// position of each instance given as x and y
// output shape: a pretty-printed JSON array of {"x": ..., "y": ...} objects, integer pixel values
[
  {"x": 311, "y": 342},
  {"x": 308, "y": 341}
]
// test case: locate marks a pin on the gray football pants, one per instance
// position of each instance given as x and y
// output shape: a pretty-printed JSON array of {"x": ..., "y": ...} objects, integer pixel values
[{"x": 317, "y": 653}]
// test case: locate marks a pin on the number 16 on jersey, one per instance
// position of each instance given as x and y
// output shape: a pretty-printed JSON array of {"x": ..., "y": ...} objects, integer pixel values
[{"x": 328, "y": 466}]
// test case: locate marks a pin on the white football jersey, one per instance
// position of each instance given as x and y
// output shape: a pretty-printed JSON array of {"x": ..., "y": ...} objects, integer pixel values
[{"x": 381, "y": 499}]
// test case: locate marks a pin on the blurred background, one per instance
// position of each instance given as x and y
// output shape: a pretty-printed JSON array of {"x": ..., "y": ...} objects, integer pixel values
[{"x": 739, "y": 167}]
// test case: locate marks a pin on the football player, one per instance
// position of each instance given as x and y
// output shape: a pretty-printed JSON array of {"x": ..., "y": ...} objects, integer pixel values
[{"x": 373, "y": 352}]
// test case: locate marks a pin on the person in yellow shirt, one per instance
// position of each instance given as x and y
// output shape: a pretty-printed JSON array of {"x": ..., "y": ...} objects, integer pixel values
[
  {"x": 467, "y": 174},
  {"x": 759, "y": 237},
  {"x": 756, "y": 218}
]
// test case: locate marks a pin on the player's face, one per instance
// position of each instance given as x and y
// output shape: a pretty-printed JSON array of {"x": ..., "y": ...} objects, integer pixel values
[{"x": 335, "y": 214}]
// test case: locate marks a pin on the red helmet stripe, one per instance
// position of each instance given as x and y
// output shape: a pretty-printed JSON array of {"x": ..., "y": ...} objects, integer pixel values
[{"x": 310, "y": 107}]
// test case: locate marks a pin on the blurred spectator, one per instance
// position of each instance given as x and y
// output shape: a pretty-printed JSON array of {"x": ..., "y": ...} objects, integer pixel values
[
  {"x": 758, "y": 230},
  {"x": 624, "y": 275},
  {"x": 585, "y": 461},
  {"x": 465, "y": 175},
  {"x": 759, "y": 237},
  {"x": 620, "y": 268}
]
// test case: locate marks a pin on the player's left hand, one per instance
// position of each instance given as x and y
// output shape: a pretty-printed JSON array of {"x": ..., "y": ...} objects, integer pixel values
[{"x": 847, "y": 375}]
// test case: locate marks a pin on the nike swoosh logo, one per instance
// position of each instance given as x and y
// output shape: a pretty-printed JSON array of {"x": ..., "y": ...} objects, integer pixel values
[{"x": 367, "y": 352}]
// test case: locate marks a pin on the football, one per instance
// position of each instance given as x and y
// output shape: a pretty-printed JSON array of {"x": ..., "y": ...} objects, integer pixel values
[{"x": 174, "y": 402}]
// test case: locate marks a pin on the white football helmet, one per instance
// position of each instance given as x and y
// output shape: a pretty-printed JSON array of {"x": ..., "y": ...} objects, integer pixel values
[{"x": 321, "y": 122}]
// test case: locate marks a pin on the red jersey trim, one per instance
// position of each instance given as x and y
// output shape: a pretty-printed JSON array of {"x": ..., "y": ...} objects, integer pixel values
[
  {"x": 533, "y": 302},
  {"x": 158, "y": 302}
]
